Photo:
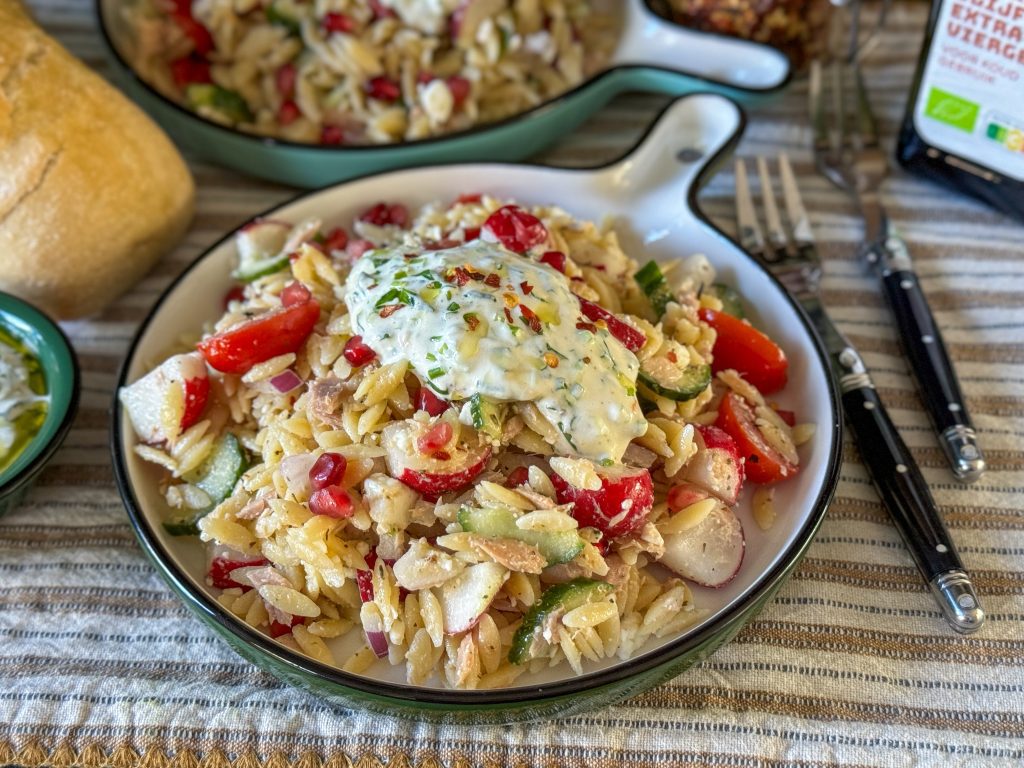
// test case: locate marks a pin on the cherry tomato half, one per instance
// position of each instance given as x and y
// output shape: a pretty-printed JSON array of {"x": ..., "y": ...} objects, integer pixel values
[
  {"x": 744, "y": 348},
  {"x": 763, "y": 464},
  {"x": 238, "y": 349}
]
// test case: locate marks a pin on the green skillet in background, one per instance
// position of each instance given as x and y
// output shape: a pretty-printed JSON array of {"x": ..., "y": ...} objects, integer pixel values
[{"x": 652, "y": 54}]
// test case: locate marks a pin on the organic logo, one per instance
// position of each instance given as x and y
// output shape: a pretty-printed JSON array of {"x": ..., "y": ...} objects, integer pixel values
[{"x": 951, "y": 109}]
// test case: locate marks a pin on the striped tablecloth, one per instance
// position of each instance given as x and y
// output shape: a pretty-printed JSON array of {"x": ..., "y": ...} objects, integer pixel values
[{"x": 101, "y": 665}]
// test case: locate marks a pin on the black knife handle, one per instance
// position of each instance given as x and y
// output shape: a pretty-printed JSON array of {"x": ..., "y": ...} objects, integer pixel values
[
  {"x": 936, "y": 379},
  {"x": 911, "y": 507}
]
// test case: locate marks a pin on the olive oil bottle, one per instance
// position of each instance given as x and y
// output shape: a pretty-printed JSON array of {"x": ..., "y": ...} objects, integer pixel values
[{"x": 964, "y": 124}]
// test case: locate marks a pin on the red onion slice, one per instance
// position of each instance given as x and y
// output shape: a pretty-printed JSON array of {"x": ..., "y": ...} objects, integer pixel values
[{"x": 286, "y": 381}]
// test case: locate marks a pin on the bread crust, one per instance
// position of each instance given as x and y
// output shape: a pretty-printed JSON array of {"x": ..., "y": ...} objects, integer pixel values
[{"x": 92, "y": 193}]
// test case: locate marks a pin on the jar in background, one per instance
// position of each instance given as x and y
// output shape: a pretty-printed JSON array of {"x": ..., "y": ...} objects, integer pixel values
[{"x": 795, "y": 27}]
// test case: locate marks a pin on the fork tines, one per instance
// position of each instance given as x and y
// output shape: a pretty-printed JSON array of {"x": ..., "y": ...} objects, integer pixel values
[{"x": 782, "y": 241}]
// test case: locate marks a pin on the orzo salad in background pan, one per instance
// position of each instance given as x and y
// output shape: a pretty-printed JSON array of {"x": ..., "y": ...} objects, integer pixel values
[
  {"x": 480, "y": 434},
  {"x": 355, "y": 72}
]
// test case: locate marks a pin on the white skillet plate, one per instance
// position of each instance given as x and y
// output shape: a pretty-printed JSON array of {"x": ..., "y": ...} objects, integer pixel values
[{"x": 650, "y": 194}]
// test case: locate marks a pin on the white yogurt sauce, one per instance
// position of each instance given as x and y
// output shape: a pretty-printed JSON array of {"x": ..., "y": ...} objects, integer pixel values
[{"x": 508, "y": 332}]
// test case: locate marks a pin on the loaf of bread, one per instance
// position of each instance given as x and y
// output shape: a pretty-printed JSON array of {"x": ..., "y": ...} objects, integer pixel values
[{"x": 91, "y": 191}]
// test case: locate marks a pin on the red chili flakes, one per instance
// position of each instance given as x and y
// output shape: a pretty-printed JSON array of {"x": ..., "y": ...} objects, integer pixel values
[
  {"x": 508, "y": 316},
  {"x": 493, "y": 280},
  {"x": 469, "y": 199},
  {"x": 530, "y": 319},
  {"x": 526, "y": 288},
  {"x": 472, "y": 321},
  {"x": 390, "y": 309},
  {"x": 672, "y": 356},
  {"x": 457, "y": 275},
  {"x": 581, "y": 326}
]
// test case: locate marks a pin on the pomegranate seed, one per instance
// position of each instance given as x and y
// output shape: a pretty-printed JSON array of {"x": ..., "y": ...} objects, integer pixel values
[
  {"x": 358, "y": 353},
  {"x": 332, "y": 501},
  {"x": 328, "y": 469},
  {"x": 332, "y": 134},
  {"x": 431, "y": 403},
  {"x": 380, "y": 11},
  {"x": 383, "y": 89},
  {"x": 383, "y": 214},
  {"x": 555, "y": 260},
  {"x": 435, "y": 438},
  {"x": 460, "y": 88},
  {"x": 295, "y": 293},
  {"x": 190, "y": 69},
  {"x": 285, "y": 80},
  {"x": 288, "y": 113},
  {"x": 237, "y": 293},
  {"x": 338, "y": 22},
  {"x": 399, "y": 215},
  {"x": 276, "y": 628},
  {"x": 516, "y": 229},
  {"x": 336, "y": 240},
  {"x": 518, "y": 476},
  {"x": 364, "y": 579}
]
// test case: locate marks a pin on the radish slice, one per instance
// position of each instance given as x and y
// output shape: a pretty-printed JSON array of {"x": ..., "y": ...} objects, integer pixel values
[
  {"x": 710, "y": 553},
  {"x": 465, "y": 598}
]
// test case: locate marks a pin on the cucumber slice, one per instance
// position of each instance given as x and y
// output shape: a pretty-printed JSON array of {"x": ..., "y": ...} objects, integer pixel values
[
  {"x": 488, "y": 416},
  {"x": 283, "y": 13},
  {"x": 665, "y": 378},
  {"x": 732, "y": 302},
  {"x": 558, "y": 599},
  {"x": 255, "y": 269},
  {"x": 230, "y": 104},
  {"x": 497, "y": 523},
  {"x": 217, "y": 476},
  {"x": 652, "y": 283}
]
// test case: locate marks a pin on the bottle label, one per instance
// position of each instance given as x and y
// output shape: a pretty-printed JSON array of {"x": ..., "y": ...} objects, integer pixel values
[{"x": 971, "y": 100}]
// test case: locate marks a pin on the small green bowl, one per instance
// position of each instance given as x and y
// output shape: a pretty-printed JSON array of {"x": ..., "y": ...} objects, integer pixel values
[
  {"x": 51, "y": 347},
  {"x": 652, "y": 54}
]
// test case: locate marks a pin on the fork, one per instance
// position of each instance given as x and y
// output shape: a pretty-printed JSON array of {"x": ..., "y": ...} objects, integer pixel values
[
  {"x": 847, "y": 152},
  {"x": 793, "y": 258}
]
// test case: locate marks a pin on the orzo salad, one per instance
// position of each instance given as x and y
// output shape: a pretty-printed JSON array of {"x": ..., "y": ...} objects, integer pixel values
[
  {"x": 354, "y": 72},
  {"x": 478, "y": 436}
]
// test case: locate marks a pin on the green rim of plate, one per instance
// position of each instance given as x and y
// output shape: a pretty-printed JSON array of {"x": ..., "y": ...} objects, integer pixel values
[
  {"x": 594, "y": 689},
  {"x": 60, "y": 367}
]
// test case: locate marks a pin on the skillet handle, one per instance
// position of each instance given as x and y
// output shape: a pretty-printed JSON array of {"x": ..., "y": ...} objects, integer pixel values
[{"x": 648, "y": 40}]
